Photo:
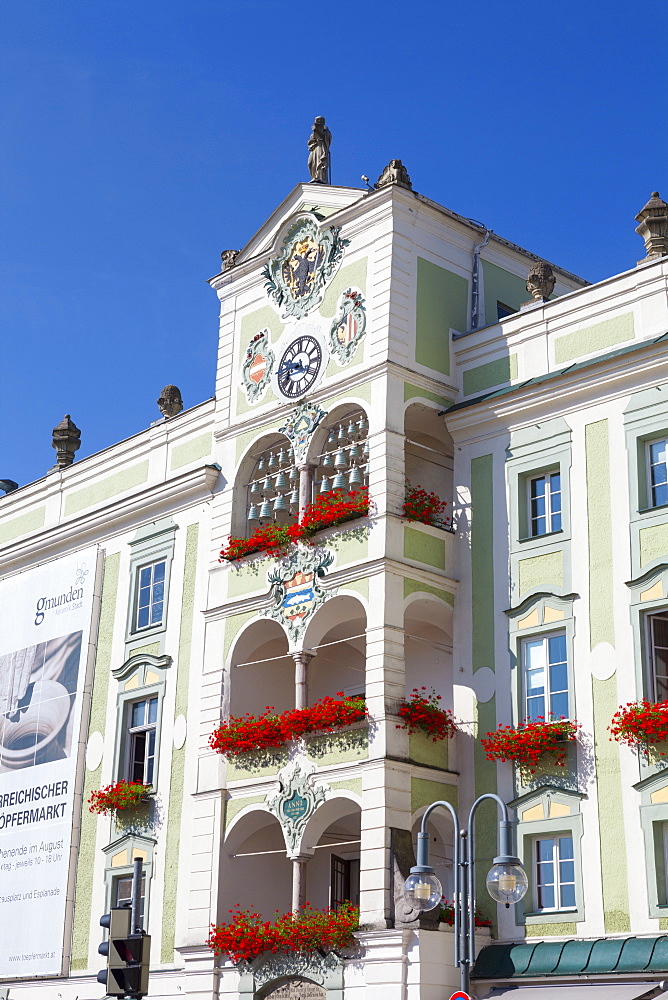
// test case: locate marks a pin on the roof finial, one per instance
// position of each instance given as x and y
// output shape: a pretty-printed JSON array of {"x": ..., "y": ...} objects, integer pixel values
[
  {"x": 653, "y": 228},
  {"x": 66, "y": 441},
  {"x": 319, "y": 163}
]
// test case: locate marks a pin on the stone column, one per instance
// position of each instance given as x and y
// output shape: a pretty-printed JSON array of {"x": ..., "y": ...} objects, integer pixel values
[
  {"x": 299, "y": 882},
  {"x": 302, "y": 661},
  {"x": 305, "y": 485}
]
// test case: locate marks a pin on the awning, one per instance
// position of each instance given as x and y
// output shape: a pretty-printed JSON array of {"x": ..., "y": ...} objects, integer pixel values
[
  {"x": 578, "y": 991},
  {"x": 599, "y": 957}
]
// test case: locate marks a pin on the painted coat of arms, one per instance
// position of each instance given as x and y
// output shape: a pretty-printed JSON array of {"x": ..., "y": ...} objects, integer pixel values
[
  {"x": 309, "y": 257},
  {"x": 258, "y": 366},
  {"x": 297, "y": 591},
  {"x": 300, "y": 427},
  {"x": 348, "y": 326}
]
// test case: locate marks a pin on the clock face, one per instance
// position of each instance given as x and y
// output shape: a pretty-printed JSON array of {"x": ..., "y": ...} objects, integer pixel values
[{"x": 298, "y": 368}]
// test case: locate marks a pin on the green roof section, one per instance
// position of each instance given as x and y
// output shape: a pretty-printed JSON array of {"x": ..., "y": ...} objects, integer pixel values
[{"x": 598, "y": 957}]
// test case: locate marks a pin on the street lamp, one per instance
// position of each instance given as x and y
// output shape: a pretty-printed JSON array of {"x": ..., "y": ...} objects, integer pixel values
[{"x": 506, "y": 881}]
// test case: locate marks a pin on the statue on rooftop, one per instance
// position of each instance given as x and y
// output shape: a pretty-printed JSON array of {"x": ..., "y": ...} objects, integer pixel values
[
  {"x": 395, "y": 173},
  {"x": 541, "y": 281},
  {"x": 170, "y": 402},
  {"x": 318, "y": 160}
]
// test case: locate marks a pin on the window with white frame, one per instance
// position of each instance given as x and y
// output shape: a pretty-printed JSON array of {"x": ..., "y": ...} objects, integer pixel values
[
  {"x": 344, "y": 882},
  {"x": 142, "y": 720},
  {"x": 122, "y": 892},
  {"x": 544, "y": 503},
  {"x": 150, "y": 597},
  {"x": 657, "y": 472},
  {"x": 545, "y": 671},
  {"x": 554, "y": 873},
  {"x": 657, "y": 639}
]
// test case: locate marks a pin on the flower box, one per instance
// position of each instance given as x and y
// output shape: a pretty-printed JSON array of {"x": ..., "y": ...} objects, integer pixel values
[
  {"x": 529, "y": 744},
  {"x": 421, "y": 713},
  {"x": 119, "y": 796},
  {"x": 446, "y": 915},
  {"x": 327, "y": 510},
  {"x": 247, "y": 935},
  {"x": 427, "y": 508},
  {"x": 643, "y": 726},
  {"x": 246, "y": 733}
]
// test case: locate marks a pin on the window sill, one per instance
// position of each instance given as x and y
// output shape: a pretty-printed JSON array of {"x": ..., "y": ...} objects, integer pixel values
[
  {"x": 650, "y": 510},
  {"x": 536, "y": 538}
]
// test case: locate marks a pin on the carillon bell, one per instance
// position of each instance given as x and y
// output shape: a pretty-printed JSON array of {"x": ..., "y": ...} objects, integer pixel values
[
  {"x": 365, "y": 449},
  {"x": 293, "y": 499},
  {"x": 281, "y": 456},
  {"x": 324, "y": 485},
  {"x": 255, "y": 489},
  {"x": 362, "y": 425},
  {"x": 332, "y": 437},
  {"x": 294, "y": 474},
  {"x": 252, "y": 512},
  {"x": 281, "y": 482},
  {"x": 326, "y": 460},
  {"x": 341, "y": 436},
  {"x": 340, "y": 461},
  {"x": 279, "y": 503},
  {"x": 355, "y": 478},
  {"x": 351, "y": 429},
  {"x": 262, "y": 464},
  {"x": 354, "y": 451},
  {"x": 265, "y": 511},
  {"x": 339, "y": 482},
  {"x": 273, "y": 462},
  {"x": 267, "y": 485}
]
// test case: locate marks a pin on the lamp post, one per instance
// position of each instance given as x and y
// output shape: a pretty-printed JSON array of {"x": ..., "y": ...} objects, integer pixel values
[{"x": 506, "y": 881}]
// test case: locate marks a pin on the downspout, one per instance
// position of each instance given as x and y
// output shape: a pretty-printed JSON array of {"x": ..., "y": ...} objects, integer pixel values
[{"x": 475, "y": 279}]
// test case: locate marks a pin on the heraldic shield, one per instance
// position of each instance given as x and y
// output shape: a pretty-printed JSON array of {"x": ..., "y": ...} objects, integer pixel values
[
  {"x": 308, "y": 259},
  {"x": 258, "y": 365},
  {"x": 348, "y": 326},
  {"x": 295, "y": 581}
]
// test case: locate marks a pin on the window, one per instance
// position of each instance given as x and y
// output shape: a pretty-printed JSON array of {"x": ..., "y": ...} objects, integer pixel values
[
  {"x": 545, "y": 504},
  {"x": 142, "y": 722},
  {"x": 345, "y": 882},
  {"x": 150, "y": 594},
  {"x": 657, "y": 635},
  {"x": 545, "y": 670},
  {"x": 122, "y": 892},
  {"x": 503, "y": 310},
  {"x": 555, "y": 873},
  {"x": 656, "y": 472}
]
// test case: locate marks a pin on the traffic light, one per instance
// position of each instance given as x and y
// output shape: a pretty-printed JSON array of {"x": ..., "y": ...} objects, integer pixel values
[{"x": 127, "y": 956}]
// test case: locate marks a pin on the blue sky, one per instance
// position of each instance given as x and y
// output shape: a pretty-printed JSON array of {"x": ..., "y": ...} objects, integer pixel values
[{"x": 141, "y": 139}]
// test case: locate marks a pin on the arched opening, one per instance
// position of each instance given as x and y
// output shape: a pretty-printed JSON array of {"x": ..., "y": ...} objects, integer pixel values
[
  {"x": 267, "y": 486},
  {"x": 334, "y": 835},
  {"x": 261, "y": 670},
  {"x": 429, "y": 453},
  {"x": 338, "y": 636},
  {"x": 428, "y": 647},
  {"x": 257, "y": 872},
  {"x": 340, "y": 451}
]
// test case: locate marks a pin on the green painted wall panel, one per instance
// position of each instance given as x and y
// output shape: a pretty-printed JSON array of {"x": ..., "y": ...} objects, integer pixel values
[
  {"x": 349, "y": 784},
  {"x": 411, "y": 391},
  {"x": 234, "y": 806},
  {"x": 546, "y": 570},
  {"x": 361, "y": 586},
  {"x": 249, "y": 577},
  {"x": 492, "y": 373},
  {"x": 594, "y": 338},
  {"x": 501, "y": 286},
  {"x": 424, "y": 792},
  {"x": 32, "y": 520},
  {"x": 653, "y": 543},
  {"x": 415, "y": 587},
  {"x": 105, "y": 489},
  {"x": 191, "y": 451},
  {"x": 599, "y": 529},
  {"x": 482, "y": 563},
  {"x": 486, "y": 817},
  {"x": 98, "y": 715},
  {"x": 424, "y": 548},
  {"x": 351, "y": 274},
  {"x": 350, "y": 545},
  {"x": 255, "y": 321},
  {"x": 176, "y": 785},
  {"x": 610, "y": 810},
  {"x": 233, "y": 626},
  {"x": 565, "y": 929},
  {"x": 442, "y": 303}
]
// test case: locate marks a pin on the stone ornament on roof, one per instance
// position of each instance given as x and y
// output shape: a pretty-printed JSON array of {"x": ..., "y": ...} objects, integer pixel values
[
  {"x": 395, "y": 173},
  {"x": 541, "y": 281},
  {"x": 319, "y": 165},
  {"x": 308, "y": 259},
  {"x": 228, "y": 259},
  {"x": 653, "y": 228},
  {"x": 169, "y": 401},
  {"x": 66, "y": 441}
]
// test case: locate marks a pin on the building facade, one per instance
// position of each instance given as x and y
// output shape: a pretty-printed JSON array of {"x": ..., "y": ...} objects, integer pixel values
[{"x": 366, "y": 339}]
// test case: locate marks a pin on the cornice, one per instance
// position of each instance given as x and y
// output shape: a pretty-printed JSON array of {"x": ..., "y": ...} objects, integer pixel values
[{"x": 113, "y": 518}]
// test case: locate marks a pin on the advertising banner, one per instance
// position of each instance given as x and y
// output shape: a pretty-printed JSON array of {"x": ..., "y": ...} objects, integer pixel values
[{"x": 45, "y": 617}]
